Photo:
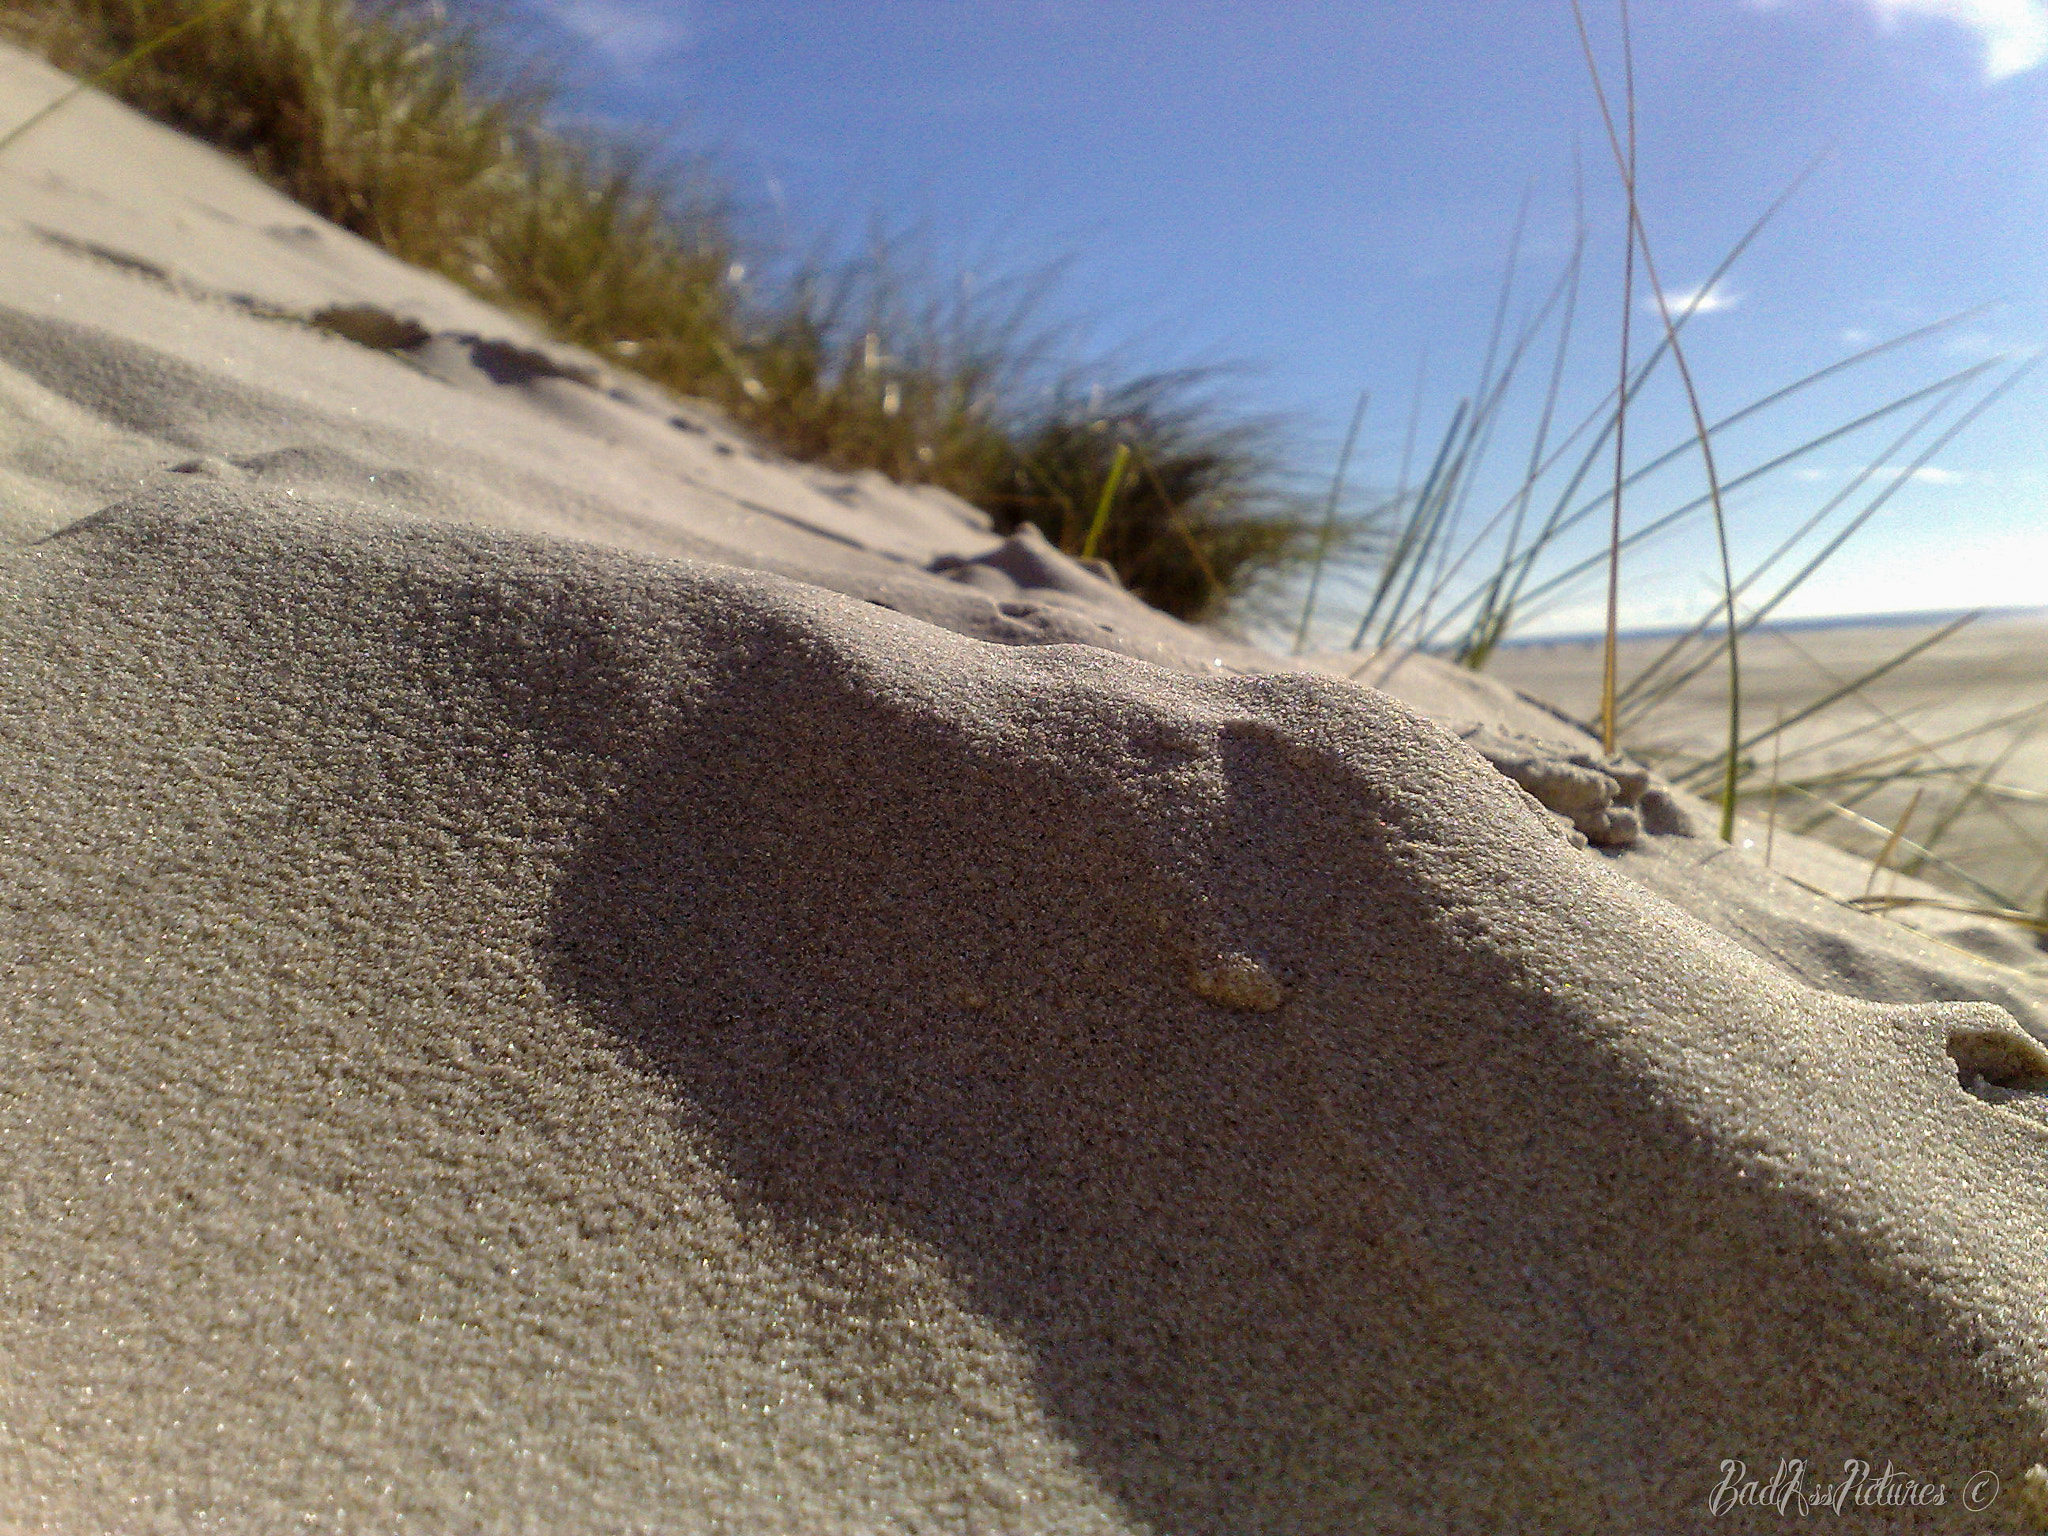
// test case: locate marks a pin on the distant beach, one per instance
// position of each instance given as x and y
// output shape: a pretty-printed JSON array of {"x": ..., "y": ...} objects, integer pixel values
[{"x": 1964, "y": 699}]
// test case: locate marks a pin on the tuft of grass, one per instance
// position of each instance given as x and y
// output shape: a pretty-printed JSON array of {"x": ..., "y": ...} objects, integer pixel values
[
  {"x": 1204, "y": 510},
  {"x": 432, "y": 137},
  {"x": 1422, "y": 597}
]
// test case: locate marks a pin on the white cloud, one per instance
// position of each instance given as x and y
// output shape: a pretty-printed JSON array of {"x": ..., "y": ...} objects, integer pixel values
[
  {"x": 1971, "y": 344},
  {"x": 1710, "y": 302},
  {"x": 2013, "y": 33},
  {"x": 1927, "y": 474},
  {"x": 630, "y": 33}
]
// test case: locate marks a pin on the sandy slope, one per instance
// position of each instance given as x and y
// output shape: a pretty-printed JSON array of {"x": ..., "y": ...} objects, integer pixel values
[{"x": 562, "y": 974}]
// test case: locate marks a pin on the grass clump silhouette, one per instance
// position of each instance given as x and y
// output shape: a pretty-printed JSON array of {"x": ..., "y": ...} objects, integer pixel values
[{"x": 428, "y": 135}]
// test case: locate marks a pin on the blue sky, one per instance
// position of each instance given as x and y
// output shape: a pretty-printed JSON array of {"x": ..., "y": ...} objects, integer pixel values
[{"x": 1325, "y": 193}]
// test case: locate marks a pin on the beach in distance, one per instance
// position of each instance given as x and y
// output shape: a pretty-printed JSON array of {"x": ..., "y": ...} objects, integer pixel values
[{"x": 1961, "y": 724}]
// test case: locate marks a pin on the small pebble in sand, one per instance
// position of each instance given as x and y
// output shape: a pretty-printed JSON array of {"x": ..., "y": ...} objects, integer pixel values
[{"x": 1237, "y": 981}]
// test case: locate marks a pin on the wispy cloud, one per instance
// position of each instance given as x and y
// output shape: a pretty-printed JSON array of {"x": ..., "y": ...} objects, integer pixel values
[
  {"x": 629, "y": 33},
  {"x": 1926, "y": 474},
  {"x": 1972, "y": 344},
  {"x": 1708, "y": 302},
  {"x": 2013, "y": 33}
]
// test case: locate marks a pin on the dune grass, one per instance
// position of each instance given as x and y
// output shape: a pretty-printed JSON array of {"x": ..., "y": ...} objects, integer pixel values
[
  {"x": 431, "y": 136},
  {"x": 1423, "y": 596},
  {"x": 1638, "y": 239}
]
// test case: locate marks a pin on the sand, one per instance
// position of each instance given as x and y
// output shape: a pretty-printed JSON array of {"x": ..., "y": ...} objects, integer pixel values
[
  {"x": 565, "y": 974},
  {"x": 1976, "y": 700}
]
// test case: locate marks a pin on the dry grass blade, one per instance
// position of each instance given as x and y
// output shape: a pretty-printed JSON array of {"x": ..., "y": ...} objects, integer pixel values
[
  {"x": 1700, "y": 429},
  {"x": 1959, "y": 788},
  {"x": 1878, "y": 829},
  {"x": 2000, "y": 914},
  {"x": 1980, "y": 788},
  {"x": 1877, "y": 865},
  {"x": 1771, "y": 825},
  {"x": 114, "y": 71}
]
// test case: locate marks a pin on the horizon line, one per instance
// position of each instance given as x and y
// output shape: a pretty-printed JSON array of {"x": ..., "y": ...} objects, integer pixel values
[{"x": 1892, "y": 619}]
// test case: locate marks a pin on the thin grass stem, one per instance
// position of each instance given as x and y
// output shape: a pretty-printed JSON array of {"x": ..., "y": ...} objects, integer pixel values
[
  {"x": 1869, "y": 677},
  {"x": 1898, "y": 831},
  {"x": 1900, "y": 479},
  {"x": 1413, "y": 530},
  {"x": 1107, "y": 503},
  {"x": 1329, "y": 528},
  {"x": 1640, "y": 234},
  {"x": 114, "y": 71}
]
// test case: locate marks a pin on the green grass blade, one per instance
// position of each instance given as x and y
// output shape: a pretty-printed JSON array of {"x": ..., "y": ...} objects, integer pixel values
[
  {"x": 1491, "y": 621},
  {"x": 1110, "y": 487},
  {"x": 114, "y": 71},
  {"x": 1660, "y": 524},
  {"x": 1641, "y": 236},
  {"x": 1649, "y": 687},
  {"x": 1414, "y": 527},
  {"x": 1315, "y": 576},
  {"x": 1561, "y": 520}
]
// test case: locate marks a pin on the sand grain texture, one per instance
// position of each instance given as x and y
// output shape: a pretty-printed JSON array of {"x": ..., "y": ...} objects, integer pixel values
[{"x": 560, "y": 978}]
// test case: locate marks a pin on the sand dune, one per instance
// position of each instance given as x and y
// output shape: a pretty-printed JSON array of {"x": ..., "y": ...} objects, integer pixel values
[{"x": 564, "y": 974}]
